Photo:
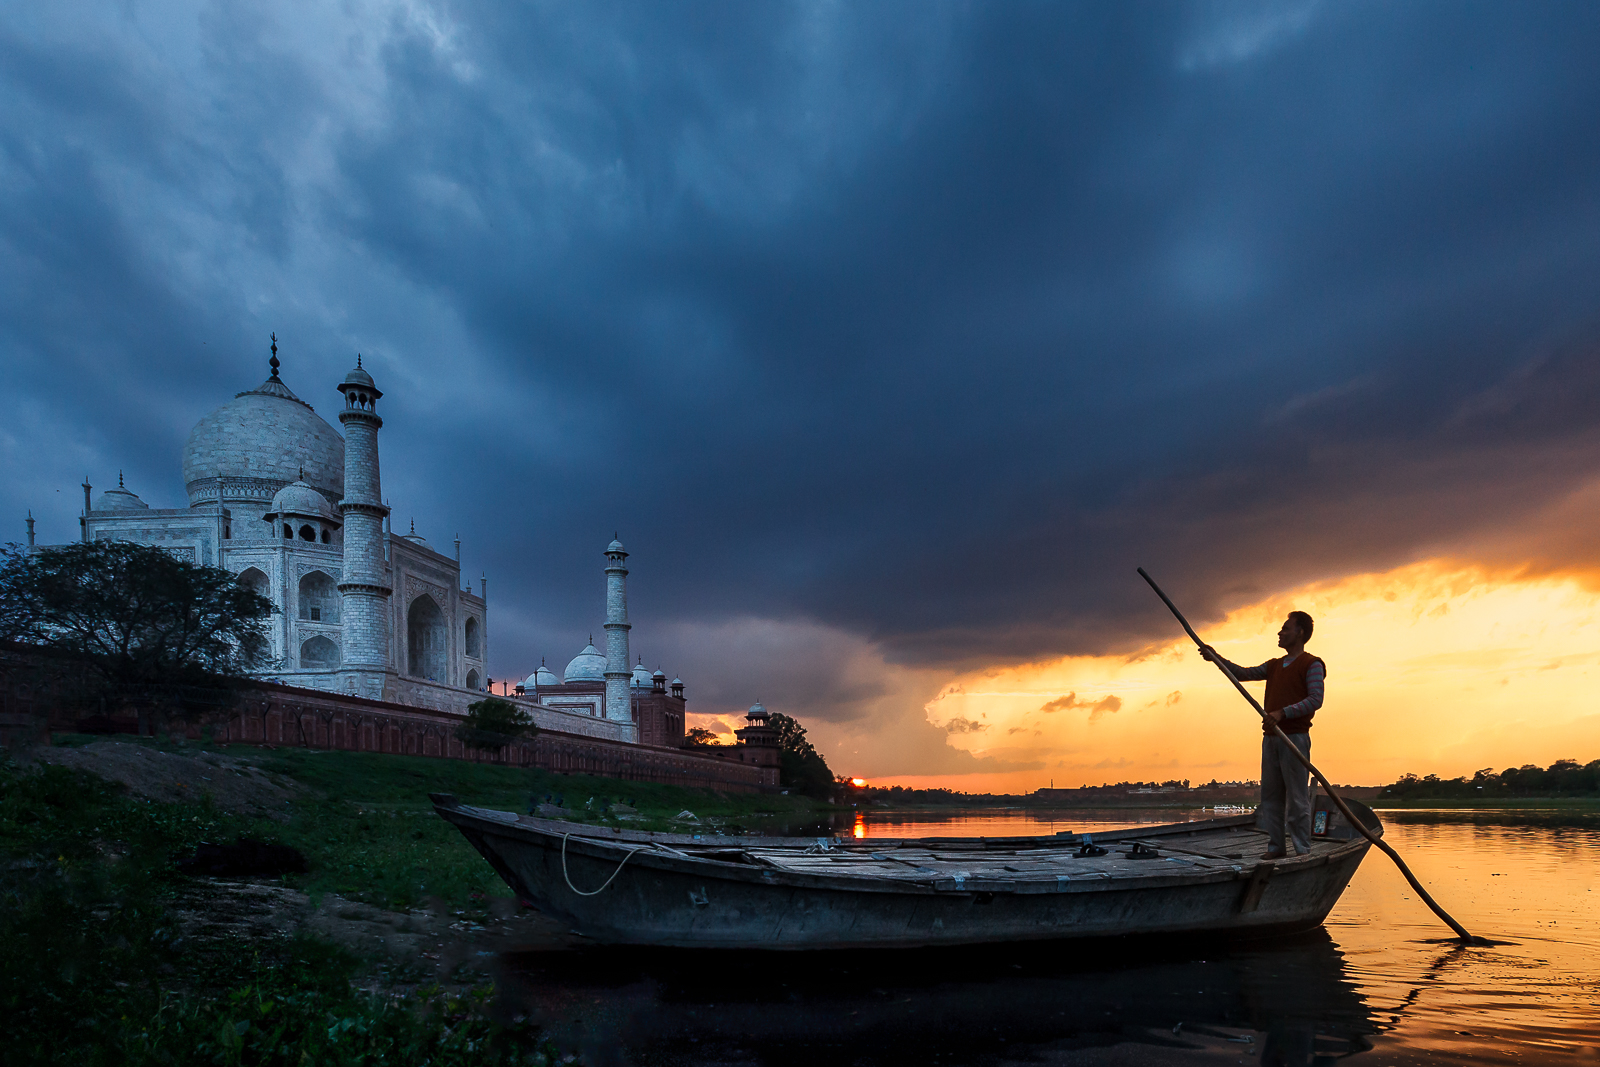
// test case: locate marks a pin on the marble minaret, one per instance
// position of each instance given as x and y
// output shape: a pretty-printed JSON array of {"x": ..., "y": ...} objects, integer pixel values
[
  {"x": 619, "y": 705},
  {"x": 364, "y": 590}
]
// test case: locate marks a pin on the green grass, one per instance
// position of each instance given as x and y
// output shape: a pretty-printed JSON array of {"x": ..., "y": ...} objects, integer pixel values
[
  {"x": 369, "y": 832},
  {"x": 93, "y": 970}
]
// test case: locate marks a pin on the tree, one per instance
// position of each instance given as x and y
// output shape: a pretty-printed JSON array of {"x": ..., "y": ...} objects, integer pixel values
[
  {"x": 800, "y": 766},
  {"x": 146, "y": 628},
  {"x": 493, "y": 723},
  {"x": 699, "y": 737}
]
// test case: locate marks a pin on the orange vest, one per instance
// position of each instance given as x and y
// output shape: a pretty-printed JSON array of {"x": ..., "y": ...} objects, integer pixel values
[{"x": 1287, "y": 685}]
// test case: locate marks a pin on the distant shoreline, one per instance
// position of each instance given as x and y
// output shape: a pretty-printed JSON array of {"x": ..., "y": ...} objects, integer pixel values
[
  {"x": 1363, "y": 794},
  {"x": 1488, "y": 803}
]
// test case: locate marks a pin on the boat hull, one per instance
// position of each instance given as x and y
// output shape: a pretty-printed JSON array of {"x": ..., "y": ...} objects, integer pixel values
[{"x": 663, "y": 897}]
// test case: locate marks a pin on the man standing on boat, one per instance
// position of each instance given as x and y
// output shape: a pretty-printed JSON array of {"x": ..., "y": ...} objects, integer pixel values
[{"x": 1294, "y": 693}]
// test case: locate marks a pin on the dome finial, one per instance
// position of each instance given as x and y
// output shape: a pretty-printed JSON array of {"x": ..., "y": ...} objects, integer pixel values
[
  {"x": 358, "y": 359},
  {"x": 413, "y": 527},
  {"x": 273, "y": 362},
  {"x": 119, "y": 481}
]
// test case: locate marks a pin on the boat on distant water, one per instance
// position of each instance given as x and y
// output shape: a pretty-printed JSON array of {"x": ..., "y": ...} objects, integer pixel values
[{"x": 634, "y": 887}]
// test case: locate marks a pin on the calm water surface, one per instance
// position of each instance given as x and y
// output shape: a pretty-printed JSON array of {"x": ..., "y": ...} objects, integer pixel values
[{"x": 1376, "y": 986}]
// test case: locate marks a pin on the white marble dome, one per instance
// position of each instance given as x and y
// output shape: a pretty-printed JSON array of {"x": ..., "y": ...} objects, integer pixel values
[
  {"x": 641, "y": 677},
  {"x": 587, "y": 666},
  {"x": 300, "y": 500},
  {"x": 260, "y": 440},
  {"x": 542, "y": 677}
]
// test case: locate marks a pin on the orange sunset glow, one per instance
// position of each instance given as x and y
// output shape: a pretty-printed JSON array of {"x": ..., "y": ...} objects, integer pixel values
[
  {"x": 1432, "y": 668},
  {"x": 1436, "y": 667}
]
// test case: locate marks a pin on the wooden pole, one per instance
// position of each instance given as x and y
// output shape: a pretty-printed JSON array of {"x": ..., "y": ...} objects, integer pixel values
[{"x": 1383, "y": 846}]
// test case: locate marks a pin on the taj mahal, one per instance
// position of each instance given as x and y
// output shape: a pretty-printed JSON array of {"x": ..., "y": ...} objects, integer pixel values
[{"x": 295, "y": 509}]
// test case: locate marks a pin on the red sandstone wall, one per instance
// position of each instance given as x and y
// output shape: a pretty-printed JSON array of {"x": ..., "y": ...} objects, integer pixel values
[
  {"x": 283, "y": 715},
  {"x": 32, "y": 704}
]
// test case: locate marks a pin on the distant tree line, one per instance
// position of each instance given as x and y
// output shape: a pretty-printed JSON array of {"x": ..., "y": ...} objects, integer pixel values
[
  {"x": 898, "y": 794},
  {"x": 1128, "y": 787},
  {"x": 1563, "y": 778}
]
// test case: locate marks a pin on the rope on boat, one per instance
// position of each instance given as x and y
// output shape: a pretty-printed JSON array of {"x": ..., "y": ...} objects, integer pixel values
[
  {"x": 1360, "y": 827},
  {"x": 607, "y": 882}
]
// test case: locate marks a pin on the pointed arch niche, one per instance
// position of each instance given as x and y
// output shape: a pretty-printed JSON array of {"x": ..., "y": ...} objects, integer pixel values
[
  {"x": 319, "y": 598},
  {"x": 255, "y": 580},
  {"x": 318, "y": 653},
  {"x": 426, "y": 640}
]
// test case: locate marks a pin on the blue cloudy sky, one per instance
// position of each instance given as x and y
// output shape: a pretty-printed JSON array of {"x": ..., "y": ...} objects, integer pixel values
[{"x": 891, "y": 337}]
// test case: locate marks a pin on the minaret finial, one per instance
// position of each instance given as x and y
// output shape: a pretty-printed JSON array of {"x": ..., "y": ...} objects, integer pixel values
[{"x": 273, "y": 362}]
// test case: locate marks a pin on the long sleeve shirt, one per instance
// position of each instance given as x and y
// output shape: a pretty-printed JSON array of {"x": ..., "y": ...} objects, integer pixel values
[{"x": 1316, "y": 676}]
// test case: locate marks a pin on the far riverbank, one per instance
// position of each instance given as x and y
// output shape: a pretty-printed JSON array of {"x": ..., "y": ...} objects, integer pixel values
[{"x": 1489, "y": 804}]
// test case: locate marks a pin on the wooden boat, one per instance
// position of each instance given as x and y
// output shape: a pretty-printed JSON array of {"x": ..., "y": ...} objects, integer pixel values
[{"x": 707, "y": 891}]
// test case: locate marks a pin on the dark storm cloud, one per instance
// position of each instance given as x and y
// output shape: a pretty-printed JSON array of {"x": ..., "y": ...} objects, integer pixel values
[{"x": 924, "y": 323}]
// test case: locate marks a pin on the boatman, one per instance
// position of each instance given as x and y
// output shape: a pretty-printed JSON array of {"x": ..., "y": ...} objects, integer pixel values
[{"x": 1294, "y": 693}]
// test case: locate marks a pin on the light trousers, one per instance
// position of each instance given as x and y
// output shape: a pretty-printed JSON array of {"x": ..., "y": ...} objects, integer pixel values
[{"x": 1285, "y": 792}]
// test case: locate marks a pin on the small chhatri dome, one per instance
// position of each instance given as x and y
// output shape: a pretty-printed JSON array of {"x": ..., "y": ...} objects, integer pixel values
[
  {"x": 543, "y": 676},
  {"x": 641, "y": 676},
  {"x": 616, "y": 546},
  {"x": 358, "y": 376},
  {"x": 414, "y": 537},
  {"x": 587, "y": 666},
  {"x": 757, "y": 713},
  {"x": 301, "y": 501},
  {"x": 119, "y": 499},
  {"x": 659, "y": 673},
  {"x": 677, "y": 681}
]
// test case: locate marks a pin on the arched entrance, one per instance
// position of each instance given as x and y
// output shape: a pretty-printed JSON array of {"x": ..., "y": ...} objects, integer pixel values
[
  {"x": 426, "y": 640},
  {"x": 319, "y": 598},
  {"x": 319, "y": 653}
]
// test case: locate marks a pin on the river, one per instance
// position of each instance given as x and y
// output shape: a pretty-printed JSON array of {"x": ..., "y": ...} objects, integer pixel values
[{"x": 1377, "y": 985}]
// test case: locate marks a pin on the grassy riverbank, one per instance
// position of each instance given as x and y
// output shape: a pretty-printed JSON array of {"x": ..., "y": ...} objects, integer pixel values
[
  {"x": 103, "y": 959},
  {"x": 369, "y": 833}
]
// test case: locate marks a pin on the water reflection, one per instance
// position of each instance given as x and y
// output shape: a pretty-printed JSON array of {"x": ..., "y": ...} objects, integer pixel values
[
  {"x": 1374, "y": 985},
  {"x": 1285, "y": 1003}
]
